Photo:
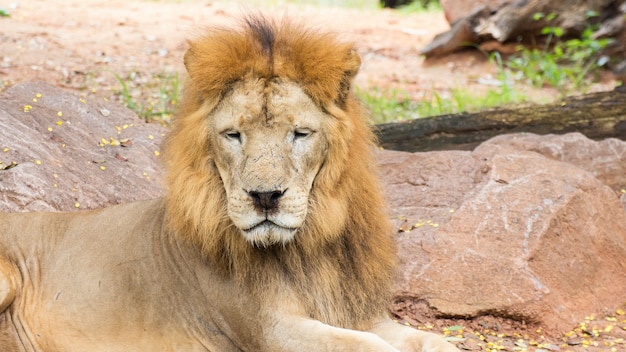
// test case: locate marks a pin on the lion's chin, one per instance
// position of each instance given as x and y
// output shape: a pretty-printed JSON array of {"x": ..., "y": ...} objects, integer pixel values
[{"x": 268, "y": 233}]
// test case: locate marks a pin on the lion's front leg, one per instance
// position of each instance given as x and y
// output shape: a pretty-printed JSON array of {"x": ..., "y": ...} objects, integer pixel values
[
  {"x": 407, "y": 339},
  {"x": 300, "y": 334}
]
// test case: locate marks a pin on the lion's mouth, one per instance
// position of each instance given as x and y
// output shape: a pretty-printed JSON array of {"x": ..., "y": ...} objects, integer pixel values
[
  {"x": 267, "y": 233},
  {"x": 268, "y": 224}
]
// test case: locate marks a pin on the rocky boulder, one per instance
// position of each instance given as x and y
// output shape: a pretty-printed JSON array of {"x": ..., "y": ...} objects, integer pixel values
[
  {"x": 508, "y": 232},
  {"x": 605, "y": 159},
  {"x": 59, "y": 151},
  {"x": 457, "y": 9}
]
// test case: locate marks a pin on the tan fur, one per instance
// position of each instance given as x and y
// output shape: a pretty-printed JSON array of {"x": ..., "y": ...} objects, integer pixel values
[{"x": 179, "y": 274}]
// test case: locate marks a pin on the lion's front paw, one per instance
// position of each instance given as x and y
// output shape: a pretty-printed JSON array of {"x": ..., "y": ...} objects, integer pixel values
[
  {"x": 408, "y": 339},
  {"x": 435, "y": 343}
]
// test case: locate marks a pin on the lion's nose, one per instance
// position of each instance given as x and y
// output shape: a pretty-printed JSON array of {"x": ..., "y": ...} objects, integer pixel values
[{"x": 266, "y": 201}]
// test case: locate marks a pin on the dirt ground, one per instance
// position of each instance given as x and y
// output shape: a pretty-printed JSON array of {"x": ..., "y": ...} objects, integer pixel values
[{"x": 84, "y": 44}]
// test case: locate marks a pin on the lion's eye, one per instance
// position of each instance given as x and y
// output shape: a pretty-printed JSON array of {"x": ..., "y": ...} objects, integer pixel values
[
  {"x": 302, "y": 133},
  {"x": 233, "y": 135}
]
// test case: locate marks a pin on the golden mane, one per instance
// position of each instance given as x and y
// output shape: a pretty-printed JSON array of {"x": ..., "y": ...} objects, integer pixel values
[{"x": 341, "y": 262}]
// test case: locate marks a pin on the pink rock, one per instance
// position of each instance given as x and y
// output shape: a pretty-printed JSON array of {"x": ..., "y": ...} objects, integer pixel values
[
  {"x": 455, "y": 9},
  {"x": 506, "y": 232},
  {"x": 77, "y": 159},
  {"x": 605, "y": 159}
]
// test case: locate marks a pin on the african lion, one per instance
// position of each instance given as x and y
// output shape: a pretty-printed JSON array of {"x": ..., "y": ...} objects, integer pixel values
[{"x": 272, "y": 236}]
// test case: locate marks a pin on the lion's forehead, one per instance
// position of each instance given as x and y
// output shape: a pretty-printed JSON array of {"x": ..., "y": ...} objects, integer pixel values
[{"x": 257, "y": 105}]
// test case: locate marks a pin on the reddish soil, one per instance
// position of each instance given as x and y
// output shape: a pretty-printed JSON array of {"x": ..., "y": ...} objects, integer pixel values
[{"x": 82, "y": 45}]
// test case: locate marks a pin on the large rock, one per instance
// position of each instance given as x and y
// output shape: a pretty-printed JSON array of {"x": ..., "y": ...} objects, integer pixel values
[
  {"x": 605, "y": 159},
  {"x": 454, "y": 10},
  {"x": 507, "y": 232},
  {"x": 62, "y": 152}
]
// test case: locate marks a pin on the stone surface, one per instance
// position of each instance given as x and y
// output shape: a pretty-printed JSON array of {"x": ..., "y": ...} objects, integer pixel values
[
  {"x": 605, "y": 159},
  {"x": 507, "y": 232},
  {"x": 59, "y": 152},
  {"x": 456, "y": 9}
]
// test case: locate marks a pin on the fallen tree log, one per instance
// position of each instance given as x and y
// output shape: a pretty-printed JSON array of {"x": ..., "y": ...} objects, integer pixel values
[{"x": 597, "y": 116}]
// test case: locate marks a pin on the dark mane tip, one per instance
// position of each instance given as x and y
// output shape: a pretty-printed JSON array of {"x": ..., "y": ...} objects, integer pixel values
[{"x": 264, "y": 31}]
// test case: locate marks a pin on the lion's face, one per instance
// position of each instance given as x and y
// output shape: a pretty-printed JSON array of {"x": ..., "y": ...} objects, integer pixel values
[{"x": 268, "y": 137}]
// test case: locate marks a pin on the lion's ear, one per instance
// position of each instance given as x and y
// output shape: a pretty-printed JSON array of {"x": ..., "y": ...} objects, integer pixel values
[
  {"x": 353, "y": 63},
  {"x": 351, "y": 68},
  {"x": 188, "y": 58}
]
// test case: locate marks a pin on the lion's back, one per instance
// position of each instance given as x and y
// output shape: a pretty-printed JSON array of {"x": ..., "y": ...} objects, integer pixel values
[{"x": 38, "y": 233}]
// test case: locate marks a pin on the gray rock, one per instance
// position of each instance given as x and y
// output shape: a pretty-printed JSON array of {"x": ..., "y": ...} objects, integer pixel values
[{"x": 59, "y": 152}]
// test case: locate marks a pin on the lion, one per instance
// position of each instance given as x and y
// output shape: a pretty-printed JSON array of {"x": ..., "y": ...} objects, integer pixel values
[{"x": 273, "y": 234}]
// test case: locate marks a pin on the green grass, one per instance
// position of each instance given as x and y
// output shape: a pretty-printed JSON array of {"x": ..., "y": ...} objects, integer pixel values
[
  {"x": 396, "y": 105},
  {"x": 420, "y": 6},
  {"x": 388, "y": 105},
  {"x": 153, "y": 98},
  {"x": 568, "y": 65}
]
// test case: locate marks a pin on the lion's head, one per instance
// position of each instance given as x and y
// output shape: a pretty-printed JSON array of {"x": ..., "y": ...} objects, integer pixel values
[
  {"x": 271, "y": 153},
  {"x": 271, "y": 141}
]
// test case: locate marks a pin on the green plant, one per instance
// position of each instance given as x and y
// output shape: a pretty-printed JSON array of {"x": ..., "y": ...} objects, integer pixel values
[
  {"x": 388, "y": 105},
  {"x": 420, "y": 6},
  {"x": 396, "y": 105},
  {"x": 125, "y": 94},
  {"x": 154, "y": 98},
  {"x": 564, "y": 64},
  {"x": 4, "y": 13}
]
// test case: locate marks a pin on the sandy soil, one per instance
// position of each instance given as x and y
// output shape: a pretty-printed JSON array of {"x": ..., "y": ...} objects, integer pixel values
[{"x": 83, "y": 44}]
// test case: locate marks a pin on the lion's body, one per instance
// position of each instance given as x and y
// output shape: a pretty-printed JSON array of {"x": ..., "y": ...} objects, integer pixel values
[
  {"x": 112, "y": 280},
  {"x": 273, "y": 235}
]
